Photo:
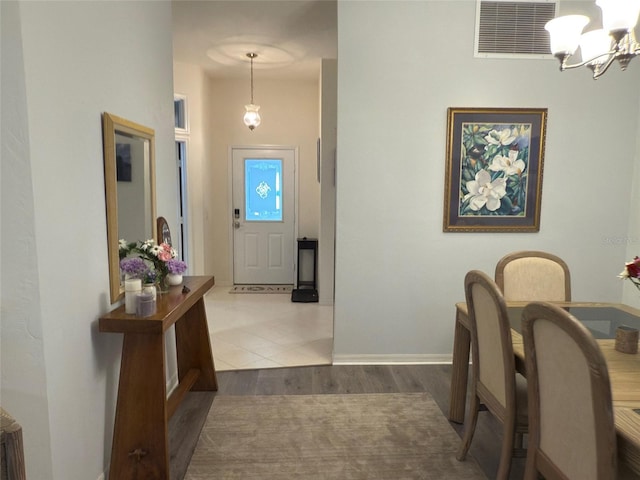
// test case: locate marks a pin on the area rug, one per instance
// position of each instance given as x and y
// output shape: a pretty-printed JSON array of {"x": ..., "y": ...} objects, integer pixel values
[
  {"x": 261, "y": 289},
  {"x": 341, "y": 437}
]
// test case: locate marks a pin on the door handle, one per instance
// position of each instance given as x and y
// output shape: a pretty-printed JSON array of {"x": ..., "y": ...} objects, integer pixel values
[{"x": 236, "y": 224}]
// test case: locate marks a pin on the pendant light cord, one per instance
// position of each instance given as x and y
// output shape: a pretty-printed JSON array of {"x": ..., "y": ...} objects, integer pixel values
[{"x": 251, "y": 56}]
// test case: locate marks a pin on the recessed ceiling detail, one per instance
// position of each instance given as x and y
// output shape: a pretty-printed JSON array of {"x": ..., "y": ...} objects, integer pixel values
[
  {"x": 290, "y": 37},
  {"x": 232, "y": 52}
]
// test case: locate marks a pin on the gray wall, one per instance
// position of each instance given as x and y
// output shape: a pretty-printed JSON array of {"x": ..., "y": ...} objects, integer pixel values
[{"x": 400, "y": 65}]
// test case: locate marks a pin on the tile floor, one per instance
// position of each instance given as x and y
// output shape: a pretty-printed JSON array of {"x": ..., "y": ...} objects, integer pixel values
[{"x": 267, "y": 330}]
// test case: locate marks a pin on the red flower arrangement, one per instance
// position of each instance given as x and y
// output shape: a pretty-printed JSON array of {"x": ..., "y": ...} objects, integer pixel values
[{"x": 632, "y": 272}]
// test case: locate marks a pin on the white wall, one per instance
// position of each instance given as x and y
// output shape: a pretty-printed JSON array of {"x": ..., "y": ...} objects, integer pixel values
[
  {"x": 631, "y": 294},
  {"x": 397, "y": 274},
  {"x": 289, "y": 111},
  {"x": 190, "y": 80},
  {"x": 328, "y": 130},
  {"x": 23, "y": 383},
  {"x": 63, "y": 64}
]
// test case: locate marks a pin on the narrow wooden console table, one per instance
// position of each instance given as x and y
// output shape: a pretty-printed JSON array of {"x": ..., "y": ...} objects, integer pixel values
[{"x": 140, "y": 437}]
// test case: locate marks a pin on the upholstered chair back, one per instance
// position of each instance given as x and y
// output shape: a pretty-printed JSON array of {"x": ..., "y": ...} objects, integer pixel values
[
  {"x": 571, "y": 423},
  {"x": 533, "y": 276},
  {"x": 489, "y": 321},
  {"x": 493, "y": 366}
]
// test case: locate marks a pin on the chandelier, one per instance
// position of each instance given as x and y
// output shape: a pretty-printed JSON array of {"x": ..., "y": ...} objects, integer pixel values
[
  {"x": 251, "y": 116},
  {"x": 598, "y": 48}
]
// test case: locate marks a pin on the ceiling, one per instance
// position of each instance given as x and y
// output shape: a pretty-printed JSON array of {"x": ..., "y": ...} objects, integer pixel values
[{"x": 289, "y": 36}]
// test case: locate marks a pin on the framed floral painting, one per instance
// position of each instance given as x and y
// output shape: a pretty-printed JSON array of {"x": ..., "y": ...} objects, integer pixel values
[{"x": 493, "y": 174}]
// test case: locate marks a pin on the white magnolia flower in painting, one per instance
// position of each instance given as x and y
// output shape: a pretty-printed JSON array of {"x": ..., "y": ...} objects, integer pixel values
[
  {"x": 501, "y": 137},
  {"x": 509, "y": 165},
  {"x": 484, "y": 192}
]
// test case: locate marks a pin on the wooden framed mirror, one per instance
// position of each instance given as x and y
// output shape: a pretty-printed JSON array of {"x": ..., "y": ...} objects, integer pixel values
[{"x": 130, "y": 189}]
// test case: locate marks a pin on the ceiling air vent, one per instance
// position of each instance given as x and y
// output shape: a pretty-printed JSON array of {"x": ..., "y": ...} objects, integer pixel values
[{"x": 513, "y": 29}]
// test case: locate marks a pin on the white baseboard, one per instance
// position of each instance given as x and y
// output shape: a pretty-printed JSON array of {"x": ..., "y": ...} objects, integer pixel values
[{"x": 393, "y": 359}]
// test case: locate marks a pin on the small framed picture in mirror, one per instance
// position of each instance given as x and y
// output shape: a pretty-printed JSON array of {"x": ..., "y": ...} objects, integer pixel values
[
  {"x": 123, "y": 162},
  {"x": 164, "y": 234}
]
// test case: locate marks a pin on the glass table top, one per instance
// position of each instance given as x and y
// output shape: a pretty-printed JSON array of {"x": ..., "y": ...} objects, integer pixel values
[{"x": 601, "y": 321}]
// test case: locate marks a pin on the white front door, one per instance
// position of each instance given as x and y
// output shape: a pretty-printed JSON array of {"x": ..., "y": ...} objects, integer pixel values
[{"x": 263, "y": 215}]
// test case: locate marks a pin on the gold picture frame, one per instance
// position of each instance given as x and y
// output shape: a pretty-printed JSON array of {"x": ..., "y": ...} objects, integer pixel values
[{"x": 493, "y": 172}]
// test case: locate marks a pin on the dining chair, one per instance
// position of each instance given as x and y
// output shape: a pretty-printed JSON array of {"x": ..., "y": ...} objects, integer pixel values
[
  {"x": 12, "y": 465},
  {"x": 572, "y": 433},
  {"x": 494, "y": 381},
  {"x": 531, "y": 275}
]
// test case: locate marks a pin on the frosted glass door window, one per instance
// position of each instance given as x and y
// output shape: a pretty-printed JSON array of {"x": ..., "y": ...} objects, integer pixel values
[{"x": 263, "y": 190}]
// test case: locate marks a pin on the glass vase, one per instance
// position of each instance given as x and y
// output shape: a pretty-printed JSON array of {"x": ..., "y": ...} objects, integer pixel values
[
  {"x": 150, "y": 288},
  {"x": 161, "y": 285}
]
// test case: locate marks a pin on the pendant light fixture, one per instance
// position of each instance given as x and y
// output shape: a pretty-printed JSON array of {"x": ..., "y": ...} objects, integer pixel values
[{"x": 251, "y": 116}]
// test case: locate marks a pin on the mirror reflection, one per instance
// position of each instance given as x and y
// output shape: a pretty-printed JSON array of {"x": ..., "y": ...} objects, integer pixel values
[
  {"x": 133, "y": 187},
  {"x": 129, "y": 164}
]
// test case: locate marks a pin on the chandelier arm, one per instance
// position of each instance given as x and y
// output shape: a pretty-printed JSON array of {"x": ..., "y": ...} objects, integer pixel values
[
  {"x": 598, "y": 71},
  {"x": 565, "y": 66}
]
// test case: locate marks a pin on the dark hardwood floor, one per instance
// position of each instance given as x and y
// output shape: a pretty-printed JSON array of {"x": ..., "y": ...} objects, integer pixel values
[{"x": 185, "y": 425}]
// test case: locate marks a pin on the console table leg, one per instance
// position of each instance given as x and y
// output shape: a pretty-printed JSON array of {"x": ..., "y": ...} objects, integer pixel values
[
  {"x": 193, "y": 348},
  {"x": 140, "y": 439}
]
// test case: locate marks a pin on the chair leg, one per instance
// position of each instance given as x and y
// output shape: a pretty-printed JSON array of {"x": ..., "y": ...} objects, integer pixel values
[
  {"x": 518, "y": 446},
  {"x": 519, "y": 440},
  {"x": 508, "y": 434},
  {"x": 469, "y": 428},
  {"x": 530, "y": 469}
]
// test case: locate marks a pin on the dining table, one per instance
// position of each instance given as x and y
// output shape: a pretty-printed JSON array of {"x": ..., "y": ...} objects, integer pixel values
[{"x": 602, "y": 320}]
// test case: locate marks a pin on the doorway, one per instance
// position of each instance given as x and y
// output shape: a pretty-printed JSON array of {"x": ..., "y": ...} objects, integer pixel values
[{"x": 264, "y": 217}]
